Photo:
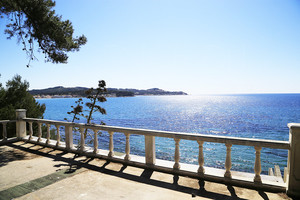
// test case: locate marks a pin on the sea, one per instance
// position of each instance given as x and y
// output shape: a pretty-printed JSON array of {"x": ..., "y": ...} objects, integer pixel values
[{"x": 261, "y": 116}]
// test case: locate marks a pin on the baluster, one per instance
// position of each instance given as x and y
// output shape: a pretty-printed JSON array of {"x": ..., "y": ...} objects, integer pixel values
[
  {"x": 228, "y": 161},
  {"x": 177, "y": 156},
  {"x": 39, "y": 132},
  {"x": 95, "y": 141},
  {"x": 4, "y": 133},
  {"x": 257, "y": 165},
  {"x": 30, "y": 130},
  {"x": 82, "y": 147},
  {"x": 48, "y": 134},
  {"x": 111, "y": 144},
  {"x": 58, "y": 135},
  {"x": 127, "y": 147},
  {"x": 201, "y": 170}
]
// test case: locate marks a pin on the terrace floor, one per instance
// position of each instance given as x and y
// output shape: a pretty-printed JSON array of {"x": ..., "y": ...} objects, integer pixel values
[{"x": 29, "y": 171}]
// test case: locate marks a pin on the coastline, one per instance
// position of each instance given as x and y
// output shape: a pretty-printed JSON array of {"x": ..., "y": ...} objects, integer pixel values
[{"x": 107, "y": 96}]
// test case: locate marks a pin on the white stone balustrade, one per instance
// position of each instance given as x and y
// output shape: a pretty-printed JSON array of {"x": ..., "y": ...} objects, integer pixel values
[
  {"x": 4, "y": 128},
  {"x": 293, "y": 181}
]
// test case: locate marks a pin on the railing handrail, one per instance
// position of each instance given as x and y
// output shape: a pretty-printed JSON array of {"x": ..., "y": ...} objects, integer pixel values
[
  {"x": 7, "y": 121},
  {"x": 276, "y": 144}
]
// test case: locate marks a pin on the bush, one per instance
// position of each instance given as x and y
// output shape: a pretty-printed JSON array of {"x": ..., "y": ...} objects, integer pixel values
[{"x": 16, "y": 96}]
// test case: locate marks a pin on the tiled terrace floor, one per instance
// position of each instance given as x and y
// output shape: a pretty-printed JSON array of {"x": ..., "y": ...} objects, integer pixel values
[{"x": 29, "y": 171}]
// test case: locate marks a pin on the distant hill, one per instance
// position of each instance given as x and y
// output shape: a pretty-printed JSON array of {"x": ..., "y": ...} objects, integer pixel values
[
  {"x": 152, "y": 91},
  {"x": 61, "y": 91}
]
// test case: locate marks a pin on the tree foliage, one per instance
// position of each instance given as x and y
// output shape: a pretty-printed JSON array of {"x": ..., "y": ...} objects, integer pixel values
[
  {"x": 16, "y": 96},
  {"x": 35, "y": 21},
  {"x": 94, "y": 97},
  {"x": 77, "y": 110}
]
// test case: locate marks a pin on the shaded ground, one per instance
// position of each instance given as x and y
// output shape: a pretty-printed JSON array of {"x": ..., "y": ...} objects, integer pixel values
[
  {"x": 30, "y": 171},
  {"x": 10, "y": 154}
]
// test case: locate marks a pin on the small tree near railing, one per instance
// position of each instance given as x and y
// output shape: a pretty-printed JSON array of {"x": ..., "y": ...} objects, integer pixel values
[{"x": 94, "y": 96}]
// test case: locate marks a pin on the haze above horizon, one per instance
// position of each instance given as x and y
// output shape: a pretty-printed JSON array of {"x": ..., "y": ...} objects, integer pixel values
[{"x": 195, "y": 46}]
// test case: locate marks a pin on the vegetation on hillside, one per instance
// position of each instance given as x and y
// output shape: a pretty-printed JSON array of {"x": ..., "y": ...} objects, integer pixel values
[{"x": 80, "y": 91}]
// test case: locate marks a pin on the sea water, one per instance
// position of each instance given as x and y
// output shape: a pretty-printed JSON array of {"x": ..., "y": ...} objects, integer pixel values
[{"x": 261, "y": 116}]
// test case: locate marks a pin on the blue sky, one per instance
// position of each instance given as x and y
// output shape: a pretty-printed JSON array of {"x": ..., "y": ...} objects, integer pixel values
[{"x": 200, "y": 47}]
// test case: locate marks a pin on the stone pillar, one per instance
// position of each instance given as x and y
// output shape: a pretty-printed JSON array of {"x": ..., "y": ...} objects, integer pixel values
[
  {"x": 293, "y": 179},
  {"x": 69, "y": 136},
  {"x": 20, "y": 124},
  {"x": 150, "y": 150}
]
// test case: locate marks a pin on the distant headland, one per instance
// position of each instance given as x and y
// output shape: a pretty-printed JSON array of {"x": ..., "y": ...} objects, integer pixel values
[{"x": 70, "y": 92}]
